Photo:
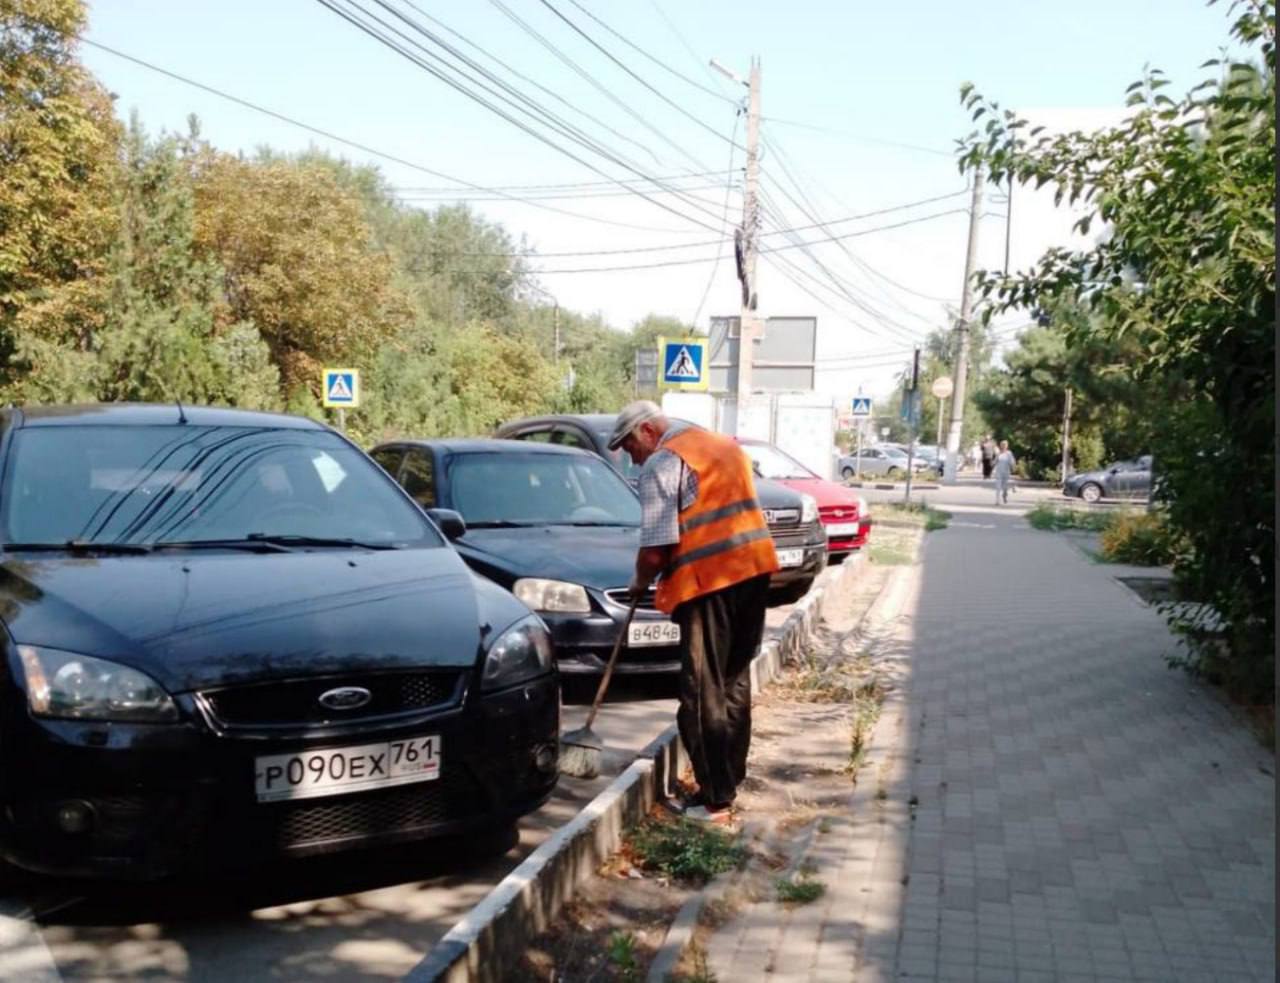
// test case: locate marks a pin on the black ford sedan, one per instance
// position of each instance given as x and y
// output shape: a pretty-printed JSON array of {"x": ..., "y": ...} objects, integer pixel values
[
  {"x": 229, "y": 635},
  {"x": 557, "y": 527}
]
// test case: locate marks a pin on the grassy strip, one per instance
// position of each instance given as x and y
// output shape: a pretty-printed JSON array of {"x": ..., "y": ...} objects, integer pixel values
[
  {"x": 684, "y": 850},
  {"x": 1056, "y": 517},
  {"x": 798, "y": 890}
]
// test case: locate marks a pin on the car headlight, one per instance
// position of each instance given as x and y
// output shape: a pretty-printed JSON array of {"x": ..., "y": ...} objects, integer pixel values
[
  {"x": 70, "y": 686},
  {"x": 521, "y": 652},
  {"x": 808, "y": 508},
  {"x": 551, "y": 595}
]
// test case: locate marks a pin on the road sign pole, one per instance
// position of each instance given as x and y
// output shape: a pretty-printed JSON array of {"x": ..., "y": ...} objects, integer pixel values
[{"x": 342, "y": 419}]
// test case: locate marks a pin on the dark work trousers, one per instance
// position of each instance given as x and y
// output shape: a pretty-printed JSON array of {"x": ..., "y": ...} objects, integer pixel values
[{"x": 719, "y": 636}]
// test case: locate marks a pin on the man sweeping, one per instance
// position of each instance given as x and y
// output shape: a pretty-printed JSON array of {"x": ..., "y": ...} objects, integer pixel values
[{"x": 705, "y": 540}]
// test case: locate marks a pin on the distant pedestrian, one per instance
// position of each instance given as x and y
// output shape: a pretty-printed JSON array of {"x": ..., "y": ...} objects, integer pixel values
[
  {"x": 988, "y": 450},
  {"x": 974, "y": 455},
  {"x": 1003, "y": 467}
]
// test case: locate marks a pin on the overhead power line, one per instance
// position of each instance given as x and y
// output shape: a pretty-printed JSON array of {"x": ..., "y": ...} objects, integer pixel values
[
  {"x": 365, "y": 148},
  {"x": 661, "y": 64},
  {"x": 366, "y": 24},
  {"x": 622, "y": 65}
]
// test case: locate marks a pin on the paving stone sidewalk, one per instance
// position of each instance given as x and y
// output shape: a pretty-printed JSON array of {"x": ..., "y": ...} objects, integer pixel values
[{"x": 1045, "y": 799}]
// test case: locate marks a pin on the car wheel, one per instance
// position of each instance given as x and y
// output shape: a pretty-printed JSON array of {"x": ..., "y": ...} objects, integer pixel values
[
  {"x": 1090, "y": 491},
  {"x": 891, "y": 473},
  {"x": 846, "y": 472}
]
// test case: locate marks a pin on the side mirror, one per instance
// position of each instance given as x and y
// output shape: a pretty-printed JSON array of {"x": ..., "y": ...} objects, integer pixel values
[{"x": 451, "y": 523}]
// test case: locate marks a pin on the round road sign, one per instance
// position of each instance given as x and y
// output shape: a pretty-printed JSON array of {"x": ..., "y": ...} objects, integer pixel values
[{"x": 943, "y": 387}]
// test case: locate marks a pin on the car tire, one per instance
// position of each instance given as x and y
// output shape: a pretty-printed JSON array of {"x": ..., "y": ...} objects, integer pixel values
[
  {"x": 891, "y": 473},
  {"x": 846, "y": 473},
  {"x": 1091, "y": 491}
]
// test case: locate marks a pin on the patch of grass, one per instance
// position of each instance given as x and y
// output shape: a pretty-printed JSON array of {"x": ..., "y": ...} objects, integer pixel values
[
  {"x": 621, "y": 950},
  {"x": 815, "y": 679},
  {"x": 1139, "y": 538},
  {"x": 866, "y": 711},
  {"x": 1055, "y": 517},
  {"x": 798, "y": 890},
  {"x": 685, "y": 850},
  {"x": 698, "y": 972},
  {"x": 887, "y": 555},
  {"x": 935, "y": 519}
]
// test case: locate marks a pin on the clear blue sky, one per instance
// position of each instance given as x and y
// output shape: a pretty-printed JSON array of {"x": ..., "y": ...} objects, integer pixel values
[{"x": 883, "y": 75}]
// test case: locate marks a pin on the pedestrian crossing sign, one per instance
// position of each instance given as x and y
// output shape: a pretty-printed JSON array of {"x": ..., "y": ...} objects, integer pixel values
[
  {"x": 861, "y": 406},
  {"x": 342, "y": 388},
  {"x": 684, "y": 363}
]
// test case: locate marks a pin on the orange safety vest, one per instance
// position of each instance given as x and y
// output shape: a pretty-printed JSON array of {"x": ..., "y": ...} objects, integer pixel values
[{"x": 724, "y": 539}]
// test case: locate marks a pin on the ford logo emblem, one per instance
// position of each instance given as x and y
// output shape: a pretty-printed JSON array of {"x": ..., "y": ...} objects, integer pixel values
[{"x": 345, "y": 698}]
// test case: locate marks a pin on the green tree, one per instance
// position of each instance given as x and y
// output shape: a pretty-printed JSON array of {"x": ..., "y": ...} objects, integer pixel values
[
  {"x": 1186, "y": 190},
  {"x": 298, "y": 261},
  {"x": 163, "y": 339},
  {"x": 58, "y": 143}
]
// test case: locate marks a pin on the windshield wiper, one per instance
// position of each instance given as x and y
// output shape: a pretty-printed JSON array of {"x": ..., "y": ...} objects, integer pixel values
[
  {"x": 256, "y": 545},
  {"x": 503, "y": 524},
  {"x": 83, "y": 546},
  {"x": 295, "y": 540},
  {"x": 597, "y": 522}
]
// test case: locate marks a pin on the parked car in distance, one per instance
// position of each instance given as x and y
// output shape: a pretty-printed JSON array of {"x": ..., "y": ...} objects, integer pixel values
[
  {"x": 843, "y": 511},
  {"x": 919, "y": 461},
  {"x": 558, "y": 528},
  {"x": 798, "y": 533},
  {"x": 1124, "y": 479},
  {"x": 230, "y": 636},
  {"x": 876, "y": 462}
]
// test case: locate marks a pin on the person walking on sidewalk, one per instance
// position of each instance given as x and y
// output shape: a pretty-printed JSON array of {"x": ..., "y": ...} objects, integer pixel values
[
  {"x": 1003, "y": 468},
  {"x": 989, "y": 451},
  {"x": 706, "y": 542}
]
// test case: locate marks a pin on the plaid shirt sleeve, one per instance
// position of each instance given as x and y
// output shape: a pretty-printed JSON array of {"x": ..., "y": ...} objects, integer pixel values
[{"x": 662, "y": 494}]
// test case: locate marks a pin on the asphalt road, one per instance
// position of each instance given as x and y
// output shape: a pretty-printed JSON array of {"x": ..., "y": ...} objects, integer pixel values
[{"x": 368, "y": 916}]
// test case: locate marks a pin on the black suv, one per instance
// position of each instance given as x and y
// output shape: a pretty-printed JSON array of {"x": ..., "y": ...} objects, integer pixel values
[{"x": 798, "y": 534}]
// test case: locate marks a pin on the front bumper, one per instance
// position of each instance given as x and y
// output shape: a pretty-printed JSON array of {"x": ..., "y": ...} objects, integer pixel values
[
  {"x": 583, "y": 642},
  {"x": 165, "y": 798},
  {"x": 809, "y": 537},
  {"x": 845, "y": 543}
]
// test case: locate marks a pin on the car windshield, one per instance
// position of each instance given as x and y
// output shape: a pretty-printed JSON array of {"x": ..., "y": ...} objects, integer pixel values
[
  {"x": 539, "y": 489},
  {"x": 775, "y": 464},
  {"x": 180, "y": 484},
  {"x": 620, "y": 459}
]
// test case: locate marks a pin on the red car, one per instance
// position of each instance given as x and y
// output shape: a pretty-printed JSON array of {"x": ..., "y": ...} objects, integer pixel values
[{"x": 843, "y": 511}]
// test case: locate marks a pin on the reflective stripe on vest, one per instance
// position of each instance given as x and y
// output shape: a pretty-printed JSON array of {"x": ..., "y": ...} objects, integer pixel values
[{"x": 724, "y": 538}]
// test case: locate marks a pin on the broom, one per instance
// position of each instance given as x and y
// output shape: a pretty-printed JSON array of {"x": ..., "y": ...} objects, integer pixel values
[{"x": 581, "y": 750}]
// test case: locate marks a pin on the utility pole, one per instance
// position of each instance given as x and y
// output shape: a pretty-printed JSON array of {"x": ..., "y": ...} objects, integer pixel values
[
  {"x": 912, "y": 421},
  {"x": 555, "y": 331},
  {"x": 746, "y": 241},
  {"x": 1066, "y": 436},
  {"x": 962, "y": 328}
]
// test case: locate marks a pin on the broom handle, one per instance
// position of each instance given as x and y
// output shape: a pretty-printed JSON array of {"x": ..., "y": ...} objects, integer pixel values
[{"x": 608, "y": 670}]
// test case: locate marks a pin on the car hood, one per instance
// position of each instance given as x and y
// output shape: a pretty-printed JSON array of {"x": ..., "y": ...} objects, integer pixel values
[
  {"x": 601, "y": 557},
  {"x": 827, "y": 493},
  {"x": 1080, "y": 477},
  {"x": 194, "y": 620},
  {"x": 774, "y": 495}
]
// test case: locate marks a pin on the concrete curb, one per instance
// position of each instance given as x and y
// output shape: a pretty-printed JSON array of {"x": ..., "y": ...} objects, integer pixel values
[
  {"x": 487, "y": 944},
  {"x": 890, "y": 486}
]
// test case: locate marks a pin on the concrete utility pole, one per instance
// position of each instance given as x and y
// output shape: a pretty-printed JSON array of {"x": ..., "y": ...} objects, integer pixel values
[
  {"x": 962, "y": 328},
  {"x": 1066, "y": 436},
  {"x": 750, "y": 325},
  {"x": 913, "y": 396}
]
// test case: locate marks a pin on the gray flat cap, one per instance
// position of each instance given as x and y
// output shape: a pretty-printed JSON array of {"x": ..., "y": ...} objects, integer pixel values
[{"x": 632, "y": 415}]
